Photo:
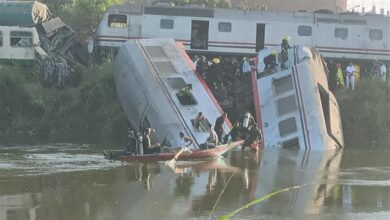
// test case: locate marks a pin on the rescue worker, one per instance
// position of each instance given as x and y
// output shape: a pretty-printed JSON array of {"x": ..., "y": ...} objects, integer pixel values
[
  {"x": 350, "y": 76},
  {"x": 340, "y": 77},
  {"x": 254, "y": 138},
  {"x": 48, "y": 70},
  {"x": 185, "y": 94},
  {"x": 270, "y": 62},
  {"x": 284, "y": 48}
]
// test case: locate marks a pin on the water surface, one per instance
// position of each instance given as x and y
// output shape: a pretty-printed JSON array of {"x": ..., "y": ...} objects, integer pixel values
[{"x": 75, "y": 182}]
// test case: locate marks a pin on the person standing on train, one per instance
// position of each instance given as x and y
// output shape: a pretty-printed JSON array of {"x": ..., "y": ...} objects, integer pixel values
[
  {"x": 246, "y": 68},
  {"x": 285, "y": 46},
  {"x": 350, "y": 76}
]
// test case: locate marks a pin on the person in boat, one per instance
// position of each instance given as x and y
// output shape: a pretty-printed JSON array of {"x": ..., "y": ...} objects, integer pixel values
[
  {"x": 185, "y": 141},
  {"x": 254, "y": 137},
  {"x": 132, "y": 142},
  {"x": 270, "y": 62},
  {"x": 212, "y": 140},
  {"x": 198, "y": 120},
  {"x": 148, "y": 147},
  {"x": 234, "y": 132},
  {"x": 285, "y": 46},
  {"x": 218, "y": 128}
]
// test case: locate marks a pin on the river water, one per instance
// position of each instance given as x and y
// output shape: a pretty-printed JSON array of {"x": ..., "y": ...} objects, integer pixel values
[{"x": 71, "y": 182}]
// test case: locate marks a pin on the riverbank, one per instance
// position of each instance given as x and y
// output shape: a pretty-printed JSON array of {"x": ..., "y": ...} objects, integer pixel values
[
  {"x": 87, "y": 110},
  {"x": 365, "y": 114}
]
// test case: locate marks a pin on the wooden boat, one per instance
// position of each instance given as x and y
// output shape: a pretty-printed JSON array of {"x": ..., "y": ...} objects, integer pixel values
[{"x": 187, "y": 155}]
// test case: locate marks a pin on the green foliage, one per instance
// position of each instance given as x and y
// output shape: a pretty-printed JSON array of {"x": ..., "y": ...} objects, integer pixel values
[
  {"x": 365, "y": 114},
  {"x": 87, "y": 113},
  {"x": 84, "y": 15}
]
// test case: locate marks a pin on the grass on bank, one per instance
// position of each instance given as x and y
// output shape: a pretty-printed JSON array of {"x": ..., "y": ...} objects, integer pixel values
[
  {"x": 365, "y": 114},
  {"x": 86, "y": 111}
]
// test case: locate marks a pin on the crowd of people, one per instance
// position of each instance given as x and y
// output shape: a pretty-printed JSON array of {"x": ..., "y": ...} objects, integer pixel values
[
  {"x": 345, "y": 77},
  {"x": 55, "y": 71},
  {"x": 140, "y": 144}
]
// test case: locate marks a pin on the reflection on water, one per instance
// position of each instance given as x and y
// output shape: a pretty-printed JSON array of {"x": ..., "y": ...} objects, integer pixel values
[{"x": 75, "y": 182}]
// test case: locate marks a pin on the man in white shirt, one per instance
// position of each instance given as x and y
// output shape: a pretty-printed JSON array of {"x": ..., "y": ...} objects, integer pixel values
[
  {"x": 185, "y": 141},
  {"x": 350, "y": 76},
  {"x": 382, "y": 72},
  {"x": 246, "y": 67}
]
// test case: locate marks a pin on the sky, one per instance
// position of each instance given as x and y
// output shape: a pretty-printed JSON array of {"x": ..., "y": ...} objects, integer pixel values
[{"x": 368, "y": 5}]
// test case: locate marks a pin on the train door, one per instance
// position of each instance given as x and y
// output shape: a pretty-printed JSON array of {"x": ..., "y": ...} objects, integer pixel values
[
  {"x": 134, "y": 28},
  {"x": 199, "y": 34},
  {"x": 260, "y": 36}
]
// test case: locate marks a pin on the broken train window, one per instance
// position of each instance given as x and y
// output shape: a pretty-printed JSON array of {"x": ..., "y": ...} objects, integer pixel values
[
  {"x": 21, "y": 39},
  {"x": 117, "y": 21}
]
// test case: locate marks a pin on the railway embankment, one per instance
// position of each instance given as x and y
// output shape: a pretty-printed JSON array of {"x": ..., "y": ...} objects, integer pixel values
[{"x": 87, "y": 109}]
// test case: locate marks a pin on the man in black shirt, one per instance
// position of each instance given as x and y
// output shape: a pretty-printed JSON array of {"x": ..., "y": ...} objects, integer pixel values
[
  {"x": 219, "y": 125},
  {"x": 146, "y": 143}
]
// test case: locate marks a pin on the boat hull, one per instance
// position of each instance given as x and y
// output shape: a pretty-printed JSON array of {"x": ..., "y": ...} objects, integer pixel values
[{"x": 187, "y": 155}]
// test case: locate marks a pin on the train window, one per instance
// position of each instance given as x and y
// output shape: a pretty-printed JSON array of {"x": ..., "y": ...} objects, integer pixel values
[
  {"x": 283, "y": 84},
  {"x": 225, "y": 27},
  {"x": 341, "y": 33},
  {"x": 21, "y": 39},
  {"x": 287, "y": 126},
  {"x": 286, "y": 105},
  {"x": 176, "y": 83},
  {"x": 117, "y": 21},
  {"x": 292, "y": 144},
  {"x": 304, "y": 30},
  {"x": 1, "y": 39},
  {"x": 376, "y": 34},
  {"x": 166, "y": 24}
]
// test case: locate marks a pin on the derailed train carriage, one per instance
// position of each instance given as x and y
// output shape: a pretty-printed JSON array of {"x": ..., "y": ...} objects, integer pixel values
[
  {"x": 28, "y": 32},
  {"x": 206, "y": 30},
  {"x": 293, "y": 106}
]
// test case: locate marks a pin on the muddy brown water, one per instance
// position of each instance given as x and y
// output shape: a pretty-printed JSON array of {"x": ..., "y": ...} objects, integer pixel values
[{"x": 69, "y": 182}]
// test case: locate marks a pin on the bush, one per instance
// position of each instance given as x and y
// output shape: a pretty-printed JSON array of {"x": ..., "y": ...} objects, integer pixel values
[{"x": 365, "y": 114}]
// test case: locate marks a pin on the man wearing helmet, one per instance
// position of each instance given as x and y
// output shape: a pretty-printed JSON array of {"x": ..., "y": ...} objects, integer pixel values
[
  {"x": 285, "y": 46},
  {"x": 270, "y": 62}
]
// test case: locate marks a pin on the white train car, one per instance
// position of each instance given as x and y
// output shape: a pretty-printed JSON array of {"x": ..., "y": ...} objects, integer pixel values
[
  {"x": 16, "y": 43},
  {"x": 205, "y": 30},
  {"x": 295, "y": 107},
  {"x": 149, "y": 74}
]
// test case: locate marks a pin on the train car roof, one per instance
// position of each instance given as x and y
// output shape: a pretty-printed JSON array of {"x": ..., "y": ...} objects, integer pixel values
[
  {"x": 180, "y": 11},
  {"x": 17, "y": 13},
  {"x": 237, "y": 14}
]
